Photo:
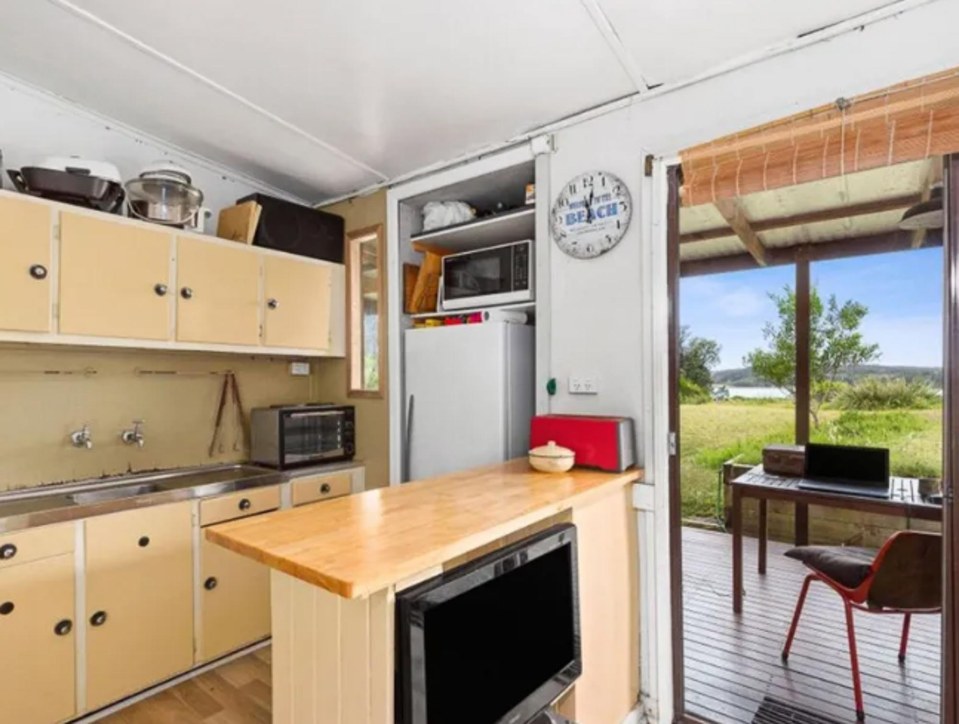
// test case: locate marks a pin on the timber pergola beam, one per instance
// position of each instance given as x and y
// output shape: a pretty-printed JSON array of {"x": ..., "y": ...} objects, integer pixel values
[
  {"x": 810, "y": 217},
  {"x": 734, "y": 214},
  {"x": 932, "y": 177}
]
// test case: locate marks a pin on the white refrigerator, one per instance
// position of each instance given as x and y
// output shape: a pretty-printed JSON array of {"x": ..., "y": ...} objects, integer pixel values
[{"x": 469, "y": 396}]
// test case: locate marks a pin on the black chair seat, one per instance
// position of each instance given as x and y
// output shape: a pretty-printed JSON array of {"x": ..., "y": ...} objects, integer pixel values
[{"x": 847, "y": 566}]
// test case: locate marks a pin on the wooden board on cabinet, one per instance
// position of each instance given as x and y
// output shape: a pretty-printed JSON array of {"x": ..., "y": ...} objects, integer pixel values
[
  {"x": 238, "y": 223},
  {"x": 115, "y": 279},
  {"x": 298, "y": 303},
  {"x": 139, "y": 599},
  {"x": 25, "y": 263},
  {"x": 37, "y": 641},
  {"x": 218, "y": 293}
]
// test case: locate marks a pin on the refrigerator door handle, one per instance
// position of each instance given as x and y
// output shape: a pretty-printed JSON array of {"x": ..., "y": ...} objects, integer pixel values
[{"x": 408, "y": 444}]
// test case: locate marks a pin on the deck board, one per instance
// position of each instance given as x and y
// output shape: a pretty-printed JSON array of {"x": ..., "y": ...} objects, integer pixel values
[{"x": 733, "y": 662}]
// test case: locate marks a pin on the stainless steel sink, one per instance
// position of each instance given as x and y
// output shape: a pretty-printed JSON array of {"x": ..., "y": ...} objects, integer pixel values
[{"x": 90, "y": 497}]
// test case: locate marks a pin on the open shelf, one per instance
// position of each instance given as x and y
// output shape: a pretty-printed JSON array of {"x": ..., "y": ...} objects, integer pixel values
[
  {"x": 529, "y": 307},
  {"x": 513, "y": 225}
]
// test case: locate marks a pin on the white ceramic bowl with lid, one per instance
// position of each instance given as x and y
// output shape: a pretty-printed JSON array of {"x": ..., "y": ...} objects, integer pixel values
[{"x": 552, "y": 458}]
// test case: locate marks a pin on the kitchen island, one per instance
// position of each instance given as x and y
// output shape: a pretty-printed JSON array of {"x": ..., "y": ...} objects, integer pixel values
[{"x": 337, "y": 566}]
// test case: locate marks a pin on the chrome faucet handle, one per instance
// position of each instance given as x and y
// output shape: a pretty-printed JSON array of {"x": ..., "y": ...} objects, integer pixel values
[
  {"x": 82, "y": 438},
  {"x": 134, "y": 436}
]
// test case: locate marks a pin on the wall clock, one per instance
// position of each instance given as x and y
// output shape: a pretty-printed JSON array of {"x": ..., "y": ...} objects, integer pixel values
[{"x": 591, "y": 214}]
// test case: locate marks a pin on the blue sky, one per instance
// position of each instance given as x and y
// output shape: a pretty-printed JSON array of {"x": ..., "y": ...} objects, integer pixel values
[{"x": 903, "y": 292}]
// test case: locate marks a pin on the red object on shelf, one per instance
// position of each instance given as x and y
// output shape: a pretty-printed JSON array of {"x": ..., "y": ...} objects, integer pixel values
[{"x": 606, "y": 443}]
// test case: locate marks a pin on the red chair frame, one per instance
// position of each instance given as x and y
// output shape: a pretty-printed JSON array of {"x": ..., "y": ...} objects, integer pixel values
[{"x": 855, "y": 599}]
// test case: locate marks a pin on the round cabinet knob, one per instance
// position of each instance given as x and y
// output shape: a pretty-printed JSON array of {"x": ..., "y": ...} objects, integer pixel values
[
  {"x": 160, "y": 289},
  {"x": 6, "y": 608},
  {"x": 63, "y": 627},
  {"x": 245, "y": 504},
  {"x": 210, "y": 583},
  {"x": 186, "y": 293},
  {"x": 144, "y": 541},
  {"x": 99, "y": 618},
  {"x": 38, "y": 271},
  {"x": 272, "y": 303},
  {"x": 325, "y": 488},
  {"x": 7, "y": 551}
]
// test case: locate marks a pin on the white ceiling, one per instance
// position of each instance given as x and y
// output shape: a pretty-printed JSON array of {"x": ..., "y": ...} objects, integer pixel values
[{"x": 321, "y": 97}]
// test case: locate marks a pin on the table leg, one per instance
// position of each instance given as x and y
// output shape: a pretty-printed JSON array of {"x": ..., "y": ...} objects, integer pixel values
[
  {"x": 737, "y": 551},
  {"x": 762, "y": 536},
  {"x": 802, "y": 524}
]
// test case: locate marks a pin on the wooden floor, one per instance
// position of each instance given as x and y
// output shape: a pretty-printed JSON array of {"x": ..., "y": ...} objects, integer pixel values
[
  {"x": 733, "y": 662},
  {"x": 237, "y": 692}
]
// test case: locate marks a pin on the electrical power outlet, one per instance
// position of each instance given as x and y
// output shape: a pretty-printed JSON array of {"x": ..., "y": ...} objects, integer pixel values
[
  {"x": 300, "y": 369},
  {"x": 583, "y": 385}
]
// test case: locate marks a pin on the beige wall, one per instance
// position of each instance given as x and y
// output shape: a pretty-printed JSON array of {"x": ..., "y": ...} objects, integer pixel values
[
  {"x": 372, "y": 414},
  {"x": 38, "y": 411}
]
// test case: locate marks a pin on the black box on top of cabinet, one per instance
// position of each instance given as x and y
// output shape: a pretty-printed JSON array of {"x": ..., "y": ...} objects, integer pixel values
[{"x": 298, "y": 229}]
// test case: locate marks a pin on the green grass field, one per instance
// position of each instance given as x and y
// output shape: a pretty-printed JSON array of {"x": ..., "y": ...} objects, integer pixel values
[{"x": 712, "y": 433}]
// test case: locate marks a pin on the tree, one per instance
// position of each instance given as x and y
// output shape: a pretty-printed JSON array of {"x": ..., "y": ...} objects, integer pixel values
[
  {"x": 835, "y": 344},
  {"x": 696, "y": 357}
]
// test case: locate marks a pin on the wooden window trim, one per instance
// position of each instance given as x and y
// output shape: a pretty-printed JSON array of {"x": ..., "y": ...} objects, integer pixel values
[{"x": 351, "y": 237}]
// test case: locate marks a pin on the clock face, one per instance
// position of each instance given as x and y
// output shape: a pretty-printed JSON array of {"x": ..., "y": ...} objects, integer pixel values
[{"x": 591, "y": 214}]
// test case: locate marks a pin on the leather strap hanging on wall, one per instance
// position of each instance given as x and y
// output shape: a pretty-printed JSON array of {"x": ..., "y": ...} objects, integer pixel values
[{"x": 905, "y": 122}]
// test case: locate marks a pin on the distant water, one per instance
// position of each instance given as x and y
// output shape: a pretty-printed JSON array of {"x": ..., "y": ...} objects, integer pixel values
[{"x": 758, "y": 393}]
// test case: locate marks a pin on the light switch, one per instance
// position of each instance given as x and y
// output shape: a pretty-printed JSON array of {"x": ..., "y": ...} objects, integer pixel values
[{"x": 300, "y": 369}]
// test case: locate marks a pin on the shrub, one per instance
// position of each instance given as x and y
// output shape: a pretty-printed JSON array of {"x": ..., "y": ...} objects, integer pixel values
[
  {"x": 883, "y": 393},
  {"x": 692, "y": 394}
]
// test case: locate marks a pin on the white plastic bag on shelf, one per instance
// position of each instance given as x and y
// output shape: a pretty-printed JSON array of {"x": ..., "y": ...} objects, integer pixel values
[{"x": 437, "y": 214}]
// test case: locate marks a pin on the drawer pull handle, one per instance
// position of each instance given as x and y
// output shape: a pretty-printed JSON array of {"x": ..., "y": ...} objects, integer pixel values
[
  {"x": 38, "y": 271},
  {"x": 272, "y": 303},
  {"x": 186, "y": 293},
  {"x": 210, "y": 583},
  {"x": 144, "y": 541},
  {"x": 325, "y": 488},
  {"x": 7, "y": 551},
  {"x": 63, "y": 627},
  {"x": 160, "y": 289},
  {"x": 6, "y": 608},
  {"x": 245, "y": 504},
  {"x": 99, "y": 618}
]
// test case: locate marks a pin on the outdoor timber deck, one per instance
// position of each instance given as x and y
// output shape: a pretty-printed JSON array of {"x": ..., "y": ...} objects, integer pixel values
[{"x": 732, "y": 662}]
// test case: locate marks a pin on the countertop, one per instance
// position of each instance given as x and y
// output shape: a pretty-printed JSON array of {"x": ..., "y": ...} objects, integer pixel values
[{"x": 359, "y": 544}]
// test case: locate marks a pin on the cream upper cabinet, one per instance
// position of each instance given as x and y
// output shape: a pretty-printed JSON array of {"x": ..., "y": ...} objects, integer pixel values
[
  {"x": 218, "y": 293},
  {"x": 114, "y": 279},
  {"x": 139, "y": 600},
  {"x": 25, "y": 239},
  {"x": 37, "y": 641},
  {"x": 297, "y": 303}
]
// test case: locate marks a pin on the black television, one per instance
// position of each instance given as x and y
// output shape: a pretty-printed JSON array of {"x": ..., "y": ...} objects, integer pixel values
[{"x": 495, "y": 641}]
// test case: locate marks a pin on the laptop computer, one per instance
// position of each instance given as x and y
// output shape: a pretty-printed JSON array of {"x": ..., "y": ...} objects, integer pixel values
[{"x": 847, "y": 470}]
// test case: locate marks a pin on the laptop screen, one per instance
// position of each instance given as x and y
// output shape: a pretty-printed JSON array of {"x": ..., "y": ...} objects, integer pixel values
[{"x": 868, "y": 466}]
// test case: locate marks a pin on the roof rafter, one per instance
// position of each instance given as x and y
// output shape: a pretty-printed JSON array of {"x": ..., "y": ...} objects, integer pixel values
[{"x": 732, "y": 211}]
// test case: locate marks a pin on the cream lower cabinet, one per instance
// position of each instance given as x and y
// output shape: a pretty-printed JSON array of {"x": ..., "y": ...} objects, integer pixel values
[
  {"x": 139, "y": 600},
  {"x": 313, "y": 488},
  {"x": 37, "y": 641},
  {"x": 25, "y": 241},
  {"x": 297, "y": 298}
]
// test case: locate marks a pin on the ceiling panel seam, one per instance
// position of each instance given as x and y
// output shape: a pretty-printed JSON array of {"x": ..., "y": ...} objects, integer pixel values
[
  {"x": 210, "y": 83},
  {"x": 606, "y": 28}
]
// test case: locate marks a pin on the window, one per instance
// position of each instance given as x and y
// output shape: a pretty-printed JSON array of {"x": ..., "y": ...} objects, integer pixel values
[{"x": 364, "y": 262}]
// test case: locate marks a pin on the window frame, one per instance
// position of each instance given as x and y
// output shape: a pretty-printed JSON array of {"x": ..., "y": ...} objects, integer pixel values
[{"x": 354, "y": 354}]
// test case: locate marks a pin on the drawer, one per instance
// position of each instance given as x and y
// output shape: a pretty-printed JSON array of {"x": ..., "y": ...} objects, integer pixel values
[
  {"x": 239, "y": 505},
  {"x": 311, "y": 488},
  {"x": 36, "y": 543}
]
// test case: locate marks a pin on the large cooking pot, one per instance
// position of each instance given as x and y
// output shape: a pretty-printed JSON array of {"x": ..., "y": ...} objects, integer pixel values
[
  {"x": 163, "y": 193},
  {"x": 72, "y": 180}
]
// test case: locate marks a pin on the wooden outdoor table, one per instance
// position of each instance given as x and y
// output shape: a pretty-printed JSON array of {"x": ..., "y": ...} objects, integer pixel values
[{"x": 903, "y": 501}]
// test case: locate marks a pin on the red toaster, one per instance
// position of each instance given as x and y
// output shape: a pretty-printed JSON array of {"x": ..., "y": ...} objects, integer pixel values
[{"x": 606, "y": 443}]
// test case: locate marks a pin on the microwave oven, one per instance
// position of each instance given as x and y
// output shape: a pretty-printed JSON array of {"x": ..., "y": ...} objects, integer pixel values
[
  {"x": 487, "y": 277},
  {"x": 287, "y": 436}
]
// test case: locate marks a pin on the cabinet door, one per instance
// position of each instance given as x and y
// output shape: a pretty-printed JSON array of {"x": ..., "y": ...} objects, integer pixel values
[
  {"x": 297, "y": 299},
  {"x": 37, "y": 655},
  {"x": 218, "y": 296},
  {"x": 25, "y": 229},
  {"x": 114, "y": 279},
  {"x": 234, "y": 601},
  {"x": 139, "y": 597}
]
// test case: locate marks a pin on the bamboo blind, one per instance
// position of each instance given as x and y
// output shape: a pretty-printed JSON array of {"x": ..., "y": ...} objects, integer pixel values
[{"x": 905, "y": 122}]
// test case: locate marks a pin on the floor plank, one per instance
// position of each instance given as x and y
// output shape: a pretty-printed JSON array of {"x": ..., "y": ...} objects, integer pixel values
[{"x": 733, "y": 662}]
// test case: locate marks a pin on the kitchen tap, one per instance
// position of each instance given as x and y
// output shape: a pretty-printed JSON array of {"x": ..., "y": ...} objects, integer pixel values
[
  {"x": 82, "y": 438},
  {"x": 134, "y": 436}
]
